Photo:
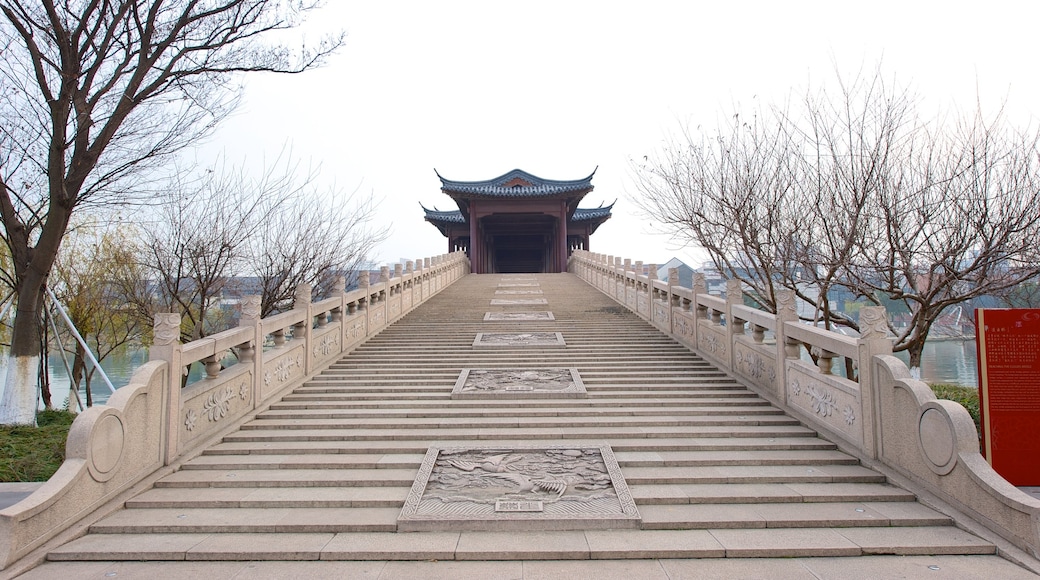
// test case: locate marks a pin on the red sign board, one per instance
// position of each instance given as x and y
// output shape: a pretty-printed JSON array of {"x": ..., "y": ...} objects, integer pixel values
[{"x": 1009, "y": 391}]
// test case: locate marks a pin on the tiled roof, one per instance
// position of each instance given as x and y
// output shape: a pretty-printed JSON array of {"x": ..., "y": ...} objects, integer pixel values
[
  {"x": 516, "y": 183},
  {"x": 586, "y": 214},
  {"x": 452, "y": 216}
]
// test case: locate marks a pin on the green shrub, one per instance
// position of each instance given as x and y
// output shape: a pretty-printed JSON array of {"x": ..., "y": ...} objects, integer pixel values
[
  {"x": 967, "y": 396},
  {"x": 34, "y": 453}
]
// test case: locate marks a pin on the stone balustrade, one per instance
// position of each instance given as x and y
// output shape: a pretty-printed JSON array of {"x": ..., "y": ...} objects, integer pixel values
[
  {"x": 157, "y": 421},
  {"x": 879, "y": 413}
]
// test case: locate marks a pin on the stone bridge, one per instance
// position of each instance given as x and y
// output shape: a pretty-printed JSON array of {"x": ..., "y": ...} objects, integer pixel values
[{"x": 597, "y": 423}]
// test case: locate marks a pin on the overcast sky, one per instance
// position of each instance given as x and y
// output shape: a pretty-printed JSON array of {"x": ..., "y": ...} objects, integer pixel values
[{"x": 476, "y": 89}]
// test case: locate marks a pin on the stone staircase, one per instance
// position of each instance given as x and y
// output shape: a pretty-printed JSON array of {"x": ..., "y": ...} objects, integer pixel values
[{"x": 715, "y": 470}]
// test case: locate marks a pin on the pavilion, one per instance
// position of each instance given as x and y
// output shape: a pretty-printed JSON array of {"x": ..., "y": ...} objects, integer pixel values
[{"x": 518, "y": 222}]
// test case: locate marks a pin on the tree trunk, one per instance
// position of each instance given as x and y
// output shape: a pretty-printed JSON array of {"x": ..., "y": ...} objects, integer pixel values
[
  {"x": 78, "y": 367},
  {"x": 18, "y": 404},
  {"x": 914, "y": 350}
]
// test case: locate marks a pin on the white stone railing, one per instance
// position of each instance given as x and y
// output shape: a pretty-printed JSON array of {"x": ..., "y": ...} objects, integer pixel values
[
  {"x": 880, "y": 414},
  {"x": 154, "y": 423}
]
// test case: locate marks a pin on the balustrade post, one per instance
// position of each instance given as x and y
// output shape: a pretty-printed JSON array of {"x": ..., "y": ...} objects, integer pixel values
[
  {"x": 254, "y": 354},
  {"x": 166, "y": 346},
  {"x": 786, "y": 349},
  {"x": 700, "y": 312},
  {"x": 672, "y": 297},
  {"x": 302, "y": 329},
  {"x": 363, "y": 306},
  {"x": 874, "y": 341},
  {"x": 734, "y": 325}
]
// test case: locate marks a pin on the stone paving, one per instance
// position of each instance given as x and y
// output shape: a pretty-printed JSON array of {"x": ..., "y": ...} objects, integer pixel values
[{"x": 725, "y": 484}]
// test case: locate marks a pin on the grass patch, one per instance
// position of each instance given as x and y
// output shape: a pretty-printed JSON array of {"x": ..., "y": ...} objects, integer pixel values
[
  {"x": 967, "y": 396},
  {"x": 34, "y": 453}
]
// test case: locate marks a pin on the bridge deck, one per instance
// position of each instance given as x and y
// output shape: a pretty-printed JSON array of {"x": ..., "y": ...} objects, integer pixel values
[{"x": 726, "y": 484}]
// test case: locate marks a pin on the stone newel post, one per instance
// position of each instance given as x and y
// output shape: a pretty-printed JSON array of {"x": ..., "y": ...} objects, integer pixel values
[
  {"x": 734, "y": 324},
  {"x": 166, "y": 346},
  {"x": 251, "y": 318},
  {"x": 786, "y": 311},
  {"x": 873, "y": 327},
  {"x": 302, "y": 329}
]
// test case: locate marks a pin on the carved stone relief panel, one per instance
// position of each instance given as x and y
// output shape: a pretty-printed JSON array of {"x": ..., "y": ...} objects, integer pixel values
[
  {"x": 755, "y": 365},
  {"x": 212, "y": 402},
  {"x": 327, "y": 344},
  {"x": 526, "y": 339},
  {"x": 280, "y": 370},
  {"x": 551, "y": 383},
  {"x": 514, "y": 316},
  {"x": 713, "y": 341},
  {"x": 519, "y": 488},
  {"x": 821, "y": 397},
  {"x": 682, "y": 325},
  {"x": 514, "y": 292},
  {"x": 518, "y": 285}
]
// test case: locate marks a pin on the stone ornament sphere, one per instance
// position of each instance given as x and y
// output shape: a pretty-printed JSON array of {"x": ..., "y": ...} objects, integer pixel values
[
  {"x": 936, "y": 438},
  {"x": 106, "y": 444}
]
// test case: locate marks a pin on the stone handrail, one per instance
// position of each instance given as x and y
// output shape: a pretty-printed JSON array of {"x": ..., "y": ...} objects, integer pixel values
[
  {"x": 880, "y": 413},
  {"x": 154, "y": 422}
]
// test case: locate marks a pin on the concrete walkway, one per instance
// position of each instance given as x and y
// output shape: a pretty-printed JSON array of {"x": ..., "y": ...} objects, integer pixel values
[{"x": 726, "y": 484}]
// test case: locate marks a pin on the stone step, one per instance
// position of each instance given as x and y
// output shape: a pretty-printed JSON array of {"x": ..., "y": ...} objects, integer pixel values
[
  {"x": 332, "y": 393},
  {"x": 790, "y": 515},
  {"x": 248, "y": 520},
  {"x": 728, "y": 444},
  {"x": 576, "y": 545},
  {"x": 270, "y": 497},
  {"x": 530, "y": 433},
  {"x": 746, "y": 493},
  {"x": 309, "y": 476},
  {"x": 194, "y": 478},
  {"x": 624, "y": 459},
  {"x": 649, "y": 421},
  {"x": 654, "y": 517},
  {"x": 596, "y": 405}
]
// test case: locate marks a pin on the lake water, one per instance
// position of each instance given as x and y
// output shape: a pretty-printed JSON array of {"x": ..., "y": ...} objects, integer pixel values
[{"x": 952, "y": 361}]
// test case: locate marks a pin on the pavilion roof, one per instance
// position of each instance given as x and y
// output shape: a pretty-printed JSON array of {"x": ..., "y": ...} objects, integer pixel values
[{"x": 516, "y": 183}]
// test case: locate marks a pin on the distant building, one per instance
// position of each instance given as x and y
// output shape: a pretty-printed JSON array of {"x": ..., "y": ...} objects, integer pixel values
[{"x": 685, "y": 272}]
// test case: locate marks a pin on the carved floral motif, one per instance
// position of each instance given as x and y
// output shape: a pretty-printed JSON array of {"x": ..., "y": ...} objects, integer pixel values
[
  {"x": 189, "y": 419},
  {"x": 327, "y": 345},
  {"x": 822, "y": 401},
  {"x": 849, "y": 414},
  {"x": 218, "y": 404}
]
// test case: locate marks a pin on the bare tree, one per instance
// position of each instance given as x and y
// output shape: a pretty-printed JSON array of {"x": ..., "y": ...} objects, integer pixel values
[
  {"x": 855, "y": 191},
  {"x": 201, "y": 238},
  {"x": 99, "y": 92},
  {"x": 960, "y": 222},
  {"x": 312, "y": 241}
]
